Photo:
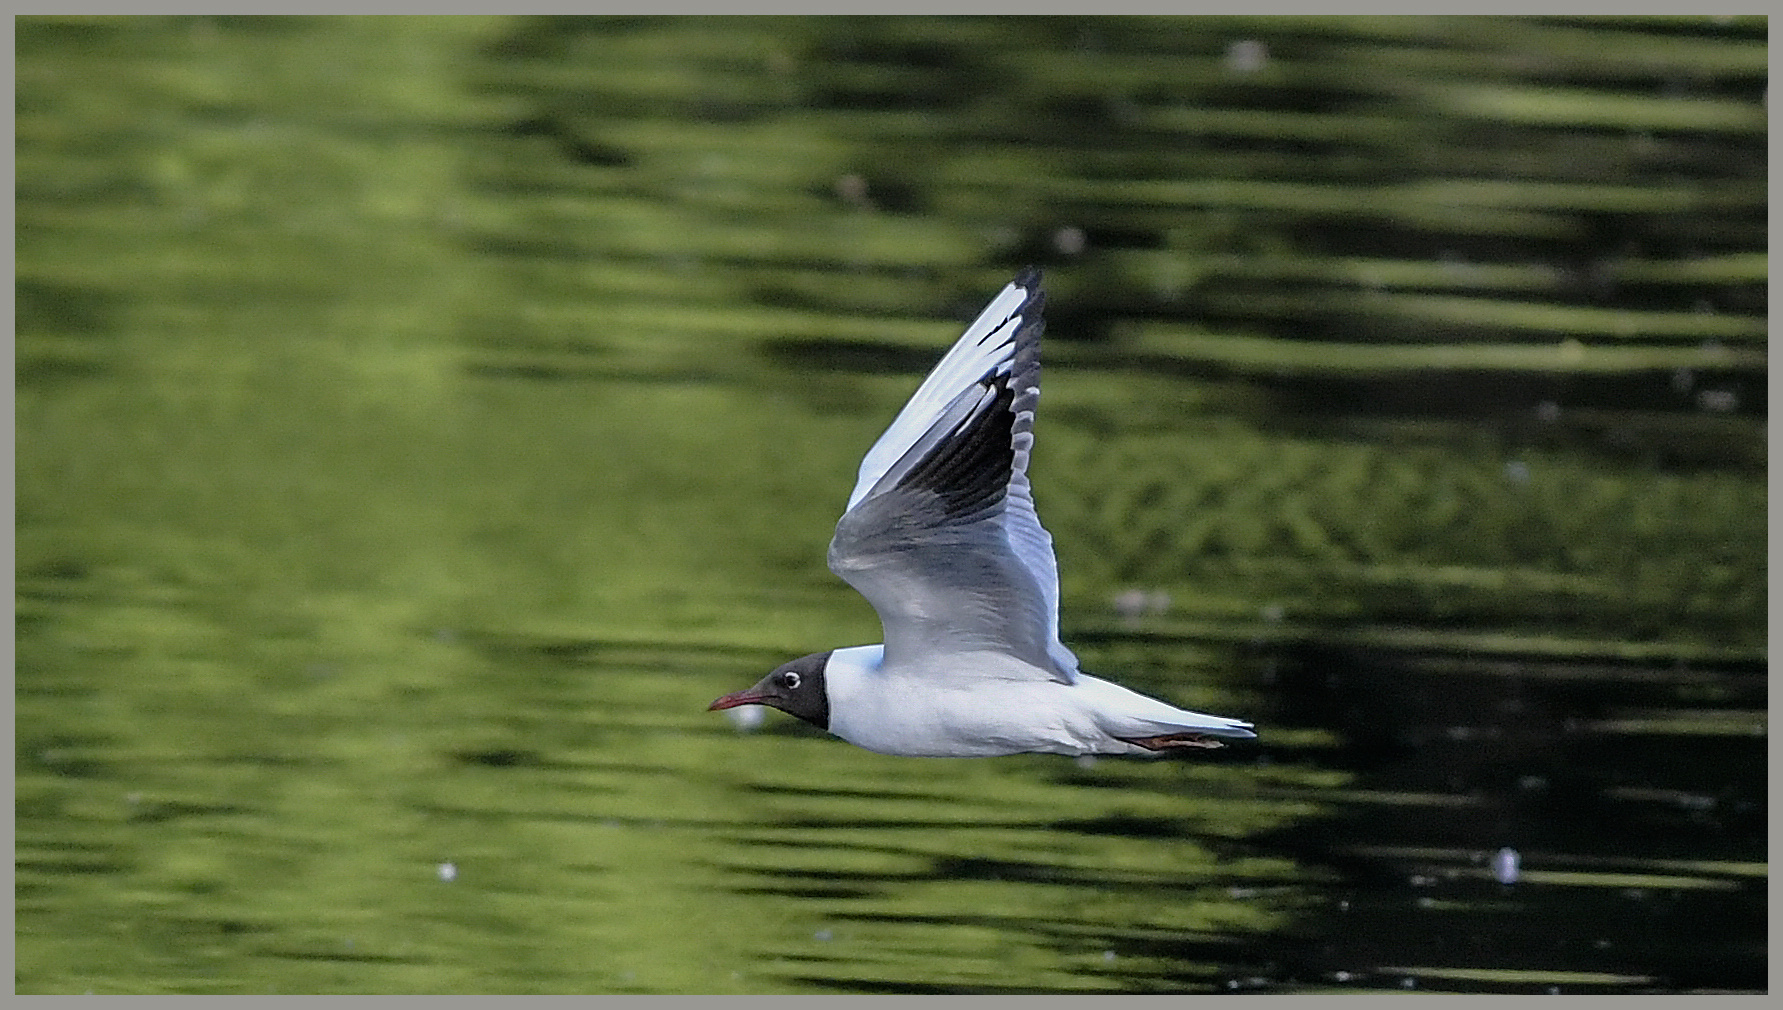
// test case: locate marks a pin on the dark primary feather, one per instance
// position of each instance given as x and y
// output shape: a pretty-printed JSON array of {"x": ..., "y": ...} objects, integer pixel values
[{"x": 969, "y": 471}]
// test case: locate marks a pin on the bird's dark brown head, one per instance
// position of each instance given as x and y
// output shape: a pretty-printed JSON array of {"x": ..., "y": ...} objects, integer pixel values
[{"x": 795, "y": 688}]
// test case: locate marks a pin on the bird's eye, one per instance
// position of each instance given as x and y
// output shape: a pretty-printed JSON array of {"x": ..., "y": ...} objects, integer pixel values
[{"x": 790, "y": 680}]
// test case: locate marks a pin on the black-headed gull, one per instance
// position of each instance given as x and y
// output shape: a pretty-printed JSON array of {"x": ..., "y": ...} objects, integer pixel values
[{"x": 940, "y": 535}]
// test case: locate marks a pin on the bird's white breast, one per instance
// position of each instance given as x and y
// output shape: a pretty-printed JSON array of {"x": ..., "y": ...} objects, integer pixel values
[{"x": 998, "y": 706}]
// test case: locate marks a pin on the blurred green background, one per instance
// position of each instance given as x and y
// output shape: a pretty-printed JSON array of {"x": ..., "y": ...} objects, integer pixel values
[{"x": 421, "y": 419}]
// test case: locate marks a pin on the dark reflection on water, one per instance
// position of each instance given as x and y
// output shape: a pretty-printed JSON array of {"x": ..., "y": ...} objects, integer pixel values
[{"x": 1635, "y": 797}]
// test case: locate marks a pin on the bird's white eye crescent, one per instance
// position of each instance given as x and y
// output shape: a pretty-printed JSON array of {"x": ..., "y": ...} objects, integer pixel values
[{"x": 790, "y": 680}]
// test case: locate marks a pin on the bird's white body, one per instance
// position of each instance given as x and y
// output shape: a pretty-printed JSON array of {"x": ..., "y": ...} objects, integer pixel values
[
  {"x": 941, "y": 537},
  {"x": 993, "y": 705}
]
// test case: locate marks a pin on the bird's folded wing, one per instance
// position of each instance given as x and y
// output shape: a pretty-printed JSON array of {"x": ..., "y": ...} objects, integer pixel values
[{"x": 941, "y": 535}]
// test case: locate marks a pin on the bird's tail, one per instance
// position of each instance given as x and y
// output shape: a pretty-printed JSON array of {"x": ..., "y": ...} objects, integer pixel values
[
  {"x": 1130, "y": 715},
  {"x": 1197, "y": 723}
]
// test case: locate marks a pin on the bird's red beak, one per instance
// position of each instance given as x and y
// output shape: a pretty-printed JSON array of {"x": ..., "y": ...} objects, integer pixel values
[{"x": 749, "y": 697}]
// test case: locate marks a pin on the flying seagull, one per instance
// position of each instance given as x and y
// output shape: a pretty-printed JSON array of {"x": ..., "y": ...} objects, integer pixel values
[{"x": 941, "y": 536}]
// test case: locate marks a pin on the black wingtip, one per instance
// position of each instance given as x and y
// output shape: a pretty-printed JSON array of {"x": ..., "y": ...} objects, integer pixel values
[{"x": 1034, "y": 300}]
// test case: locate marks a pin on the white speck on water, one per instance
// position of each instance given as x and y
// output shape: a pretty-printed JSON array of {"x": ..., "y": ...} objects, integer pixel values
[
  {"x": 852, "y": 190},
  {"x": 1682, "y": 380},
  {"x": 1129, "y": 603},
  {"x": 1342, "y": 976},
  {"x": 1273, "y": 613},
  {"x": 1517, "y": 471},
  {"x": 1108, "y": 955},
  {"x": 1553, "y": 990},
  {"x": 822, "y": 936},
  {"x": 1135, "y": 603},
  {"x": 1531, "y": 783},
  {"x": 1408, "y": 983},
  {"x": 1231, "y": 983},
  {"x": 1086, "y": 761},
  {"x": 448, "y": 872},
  {"x": 1454, "y": 263},
  {"x": 1548, "y": 411},
  {"x": 1420, "y": 880},
  {"x": 1344, "y": 905},
  {"x": 1718, "y": 401},
  {"x": 134, "y": 799},
  {"x": 1241, "y": 893},
  {"x": 1070, "y": 240},
  {"x": 745, "y": 718},
  {"x": 1246, "y": 56},
  {"x": 349, "y": 943}
]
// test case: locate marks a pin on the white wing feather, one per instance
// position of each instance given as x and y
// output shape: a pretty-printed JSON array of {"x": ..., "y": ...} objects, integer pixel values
[{"x": 941, "y": 535}]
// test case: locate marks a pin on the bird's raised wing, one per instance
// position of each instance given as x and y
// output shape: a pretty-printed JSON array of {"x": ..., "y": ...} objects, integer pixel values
[{"x": 940, "y": 533}]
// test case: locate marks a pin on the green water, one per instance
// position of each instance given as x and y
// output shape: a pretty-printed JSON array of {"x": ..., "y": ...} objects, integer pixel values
[{"x": 421, "y": 420}]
